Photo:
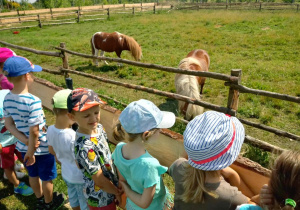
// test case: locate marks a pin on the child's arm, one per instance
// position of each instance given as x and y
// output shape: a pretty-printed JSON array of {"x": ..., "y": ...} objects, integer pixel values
[
  {"x": 233, "y": 178},
  {"x": 0, "y": 148},
  {"x": 33, "y": 140},
  {"x": 10, "y": 125},
  {"x": 105, "y": 184},
  {"x": 51, "y": 150},
  {"x": 142, "y": 200}
]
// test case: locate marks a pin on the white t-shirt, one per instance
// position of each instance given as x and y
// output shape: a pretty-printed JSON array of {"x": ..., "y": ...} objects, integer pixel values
[{"x": 62, "y": 141}]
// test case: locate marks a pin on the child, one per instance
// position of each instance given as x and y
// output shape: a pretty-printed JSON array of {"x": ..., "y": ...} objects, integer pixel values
[
  {"x": 212, "y": 141},
  {"x": 61, "y": 139},
  {"x": 283, "y": 191},
  {"x": 92, "y": 152},
  {"x": 24, "y": 118},
  {"x": 5, "y": 84},
  {"x": 4, "y": 54},
  {"x": 7, "y": 151},
  {"x": 139, "y": 172}
]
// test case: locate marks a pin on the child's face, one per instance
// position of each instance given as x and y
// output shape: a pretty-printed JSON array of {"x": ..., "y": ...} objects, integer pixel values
[{"x": 87, "y": 120}]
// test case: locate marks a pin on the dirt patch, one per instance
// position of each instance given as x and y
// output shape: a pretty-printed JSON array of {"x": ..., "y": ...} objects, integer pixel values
[
  {"x": 218, "y": 26},
  {"x": 265, "y": 28}
]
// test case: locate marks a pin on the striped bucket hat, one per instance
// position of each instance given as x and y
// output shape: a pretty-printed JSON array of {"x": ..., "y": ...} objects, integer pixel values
[{"x": 213, "y": 140}]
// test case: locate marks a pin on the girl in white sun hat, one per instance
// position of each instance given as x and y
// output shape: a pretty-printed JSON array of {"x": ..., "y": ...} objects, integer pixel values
[
  {"x": 212, "y": 141},
  {"x": 139, "y": 172}
]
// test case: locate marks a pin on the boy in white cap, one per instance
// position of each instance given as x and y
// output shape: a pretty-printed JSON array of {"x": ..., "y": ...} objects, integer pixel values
[
  {"x": 24, "y": 118},
  {"x": 61, "y": 140},
  {"x": 212, "y": 141}
]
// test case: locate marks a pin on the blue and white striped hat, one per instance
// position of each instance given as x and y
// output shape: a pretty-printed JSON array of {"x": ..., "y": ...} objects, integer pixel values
[{"x": 213, "y": 140}]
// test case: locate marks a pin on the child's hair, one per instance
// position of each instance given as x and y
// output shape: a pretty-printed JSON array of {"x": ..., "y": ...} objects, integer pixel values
[
  {"x": 193, "y": 184},
  {"x": 119, "y": 133},
  {"x": 58, "y": 111},
  {"x": 285, "y": 180}
]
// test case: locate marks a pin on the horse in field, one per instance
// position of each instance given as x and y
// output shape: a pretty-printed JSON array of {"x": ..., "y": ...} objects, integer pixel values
[
  {"x": 114, "y": 42},
  {"x": 188, "y": 85}
]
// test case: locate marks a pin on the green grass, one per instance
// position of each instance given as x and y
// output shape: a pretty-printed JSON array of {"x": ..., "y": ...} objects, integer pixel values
[{"x": 265, "y": 45}]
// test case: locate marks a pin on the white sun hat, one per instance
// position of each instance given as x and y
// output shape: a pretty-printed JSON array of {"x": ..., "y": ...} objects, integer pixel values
[
  {"x": 142, "y": 115},
  {"x": 213, "y": 140}
]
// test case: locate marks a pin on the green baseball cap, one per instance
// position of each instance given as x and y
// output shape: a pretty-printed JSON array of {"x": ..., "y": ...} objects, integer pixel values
[{"x": 60, "y": 99}]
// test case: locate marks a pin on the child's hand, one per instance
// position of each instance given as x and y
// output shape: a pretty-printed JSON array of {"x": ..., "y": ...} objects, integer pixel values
[
  {"x": 29, "y": 159},
  {"x": 125, "y": 186},
  {"x": 37, "y": 144},
  {"x": 266, "y": 197},
  {"x": 0, "y": 148},
  {"x": 118, "y": 199}
]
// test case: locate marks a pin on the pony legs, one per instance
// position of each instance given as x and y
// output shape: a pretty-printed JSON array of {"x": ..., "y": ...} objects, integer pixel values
[{"x": 102, "y": 55}]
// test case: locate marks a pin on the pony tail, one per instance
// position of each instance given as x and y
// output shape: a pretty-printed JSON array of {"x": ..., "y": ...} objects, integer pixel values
[
  {"x": 193, "y": 185},
  {"x": 118, "y": 133}
]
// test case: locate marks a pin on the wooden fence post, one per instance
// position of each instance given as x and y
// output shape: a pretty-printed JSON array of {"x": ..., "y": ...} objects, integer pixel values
[
  {"x": 297, "y": 7},
  {"x": 123, "y": 6},
  {"x": 51, "y": 13},
  {"x": 78, "y": 16},
  {"x": 233, "y": 96},
  {"x": 108, "y": 12},
  {"x": 259, "y": 6},
  {"x": 39, "y": 20},
  {"x": 19, "y": 15},
  {"x": 154, "y": 9},
  {"x": 64, "y": 58},
  {"x": 133, "y": 10}
]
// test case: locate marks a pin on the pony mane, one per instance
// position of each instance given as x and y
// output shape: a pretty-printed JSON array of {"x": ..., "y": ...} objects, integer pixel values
[
  {"x": 187, "y": 85},
  {"x": 134, "y": 47}
]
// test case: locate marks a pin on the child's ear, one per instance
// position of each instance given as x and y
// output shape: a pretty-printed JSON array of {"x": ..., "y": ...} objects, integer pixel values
[
  {"x": 27, "y": 76},
  {"x": 71, "y": 116},
  {"x": 145, "y": 135}
]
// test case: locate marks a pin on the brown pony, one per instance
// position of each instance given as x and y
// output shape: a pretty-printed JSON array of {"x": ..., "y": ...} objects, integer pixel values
[
  {"x": 114, "y": 42},
  {"x": 188, "y": 85}
]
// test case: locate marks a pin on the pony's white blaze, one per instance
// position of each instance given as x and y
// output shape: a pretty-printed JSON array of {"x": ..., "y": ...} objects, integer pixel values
[{"x": 188, "y": 85}]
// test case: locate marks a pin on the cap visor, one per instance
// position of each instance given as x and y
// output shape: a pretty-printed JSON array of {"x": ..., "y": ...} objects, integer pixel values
[
  {"x": 37, "y": 68},
  {"x": 167, "y": 121}
]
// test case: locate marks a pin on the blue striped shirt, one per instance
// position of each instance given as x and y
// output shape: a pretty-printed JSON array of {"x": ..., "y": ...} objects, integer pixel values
[{"x": 26, "y": 111}]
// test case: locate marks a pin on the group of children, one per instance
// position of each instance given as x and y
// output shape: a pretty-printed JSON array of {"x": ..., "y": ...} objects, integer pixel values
[{"x": 98, "y": 179}]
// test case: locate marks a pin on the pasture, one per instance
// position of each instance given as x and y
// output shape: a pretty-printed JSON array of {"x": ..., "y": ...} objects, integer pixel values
[{"x": 265, "y": 45}]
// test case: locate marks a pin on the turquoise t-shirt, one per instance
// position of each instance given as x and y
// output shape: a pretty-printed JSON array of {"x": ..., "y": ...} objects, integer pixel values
[
  {"x": 6, "y": 139},
  {"x": 142, "y": 172}
]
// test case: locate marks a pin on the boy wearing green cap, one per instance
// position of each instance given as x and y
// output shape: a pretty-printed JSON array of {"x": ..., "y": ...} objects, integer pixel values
[{"x": 61, "y": 140}]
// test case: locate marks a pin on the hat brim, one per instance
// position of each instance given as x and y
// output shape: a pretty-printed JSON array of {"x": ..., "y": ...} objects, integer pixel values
[
  {"x": 168, "y": 120},
  {"x": 36, "y": 68}
]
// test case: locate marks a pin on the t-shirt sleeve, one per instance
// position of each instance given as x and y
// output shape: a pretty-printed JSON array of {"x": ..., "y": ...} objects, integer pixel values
[
  {"x": 5, "y": 112},
  {"x": 36, "y": 114},
  {"x": 152, "y": 174}
]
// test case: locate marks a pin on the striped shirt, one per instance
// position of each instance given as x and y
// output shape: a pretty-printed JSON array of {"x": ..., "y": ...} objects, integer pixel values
[{"x": 26, "y": 111}]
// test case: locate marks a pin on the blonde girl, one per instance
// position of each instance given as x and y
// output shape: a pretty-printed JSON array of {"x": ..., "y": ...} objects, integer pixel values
[
  {"x": 212, "y": 141},
  {"x": 139, "y": 172}
]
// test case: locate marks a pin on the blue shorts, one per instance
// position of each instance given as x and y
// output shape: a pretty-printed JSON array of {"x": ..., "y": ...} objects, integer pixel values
[
  {"x": 44, "y": 167},
  {"x": 76, "y": 196}
]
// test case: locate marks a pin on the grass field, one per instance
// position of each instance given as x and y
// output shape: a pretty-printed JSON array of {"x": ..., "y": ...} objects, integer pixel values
[{"x": 265, "y": 45}]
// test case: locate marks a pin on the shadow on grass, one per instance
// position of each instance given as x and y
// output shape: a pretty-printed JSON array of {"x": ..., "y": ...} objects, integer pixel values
[
  {"x": 171, "y": 105},
  {"x": 104, "y": 68}
]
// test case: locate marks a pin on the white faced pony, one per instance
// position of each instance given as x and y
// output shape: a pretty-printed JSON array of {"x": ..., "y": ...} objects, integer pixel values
[{"x": 188, "y": 85}]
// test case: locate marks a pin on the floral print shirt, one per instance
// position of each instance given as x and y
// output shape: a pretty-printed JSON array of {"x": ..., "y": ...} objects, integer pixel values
[{"x": 92, "y": 153}]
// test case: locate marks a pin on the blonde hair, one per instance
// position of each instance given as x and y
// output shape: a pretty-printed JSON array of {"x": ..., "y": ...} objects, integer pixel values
[
  {"x": 285, "y": 180},
  {"x": 193, "y": 184},
  {"x": 120, "y": 134}
]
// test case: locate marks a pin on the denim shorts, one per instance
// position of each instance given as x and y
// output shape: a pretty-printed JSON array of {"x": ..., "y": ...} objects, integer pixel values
[
  {"x": 44, "y": 167},
  {"x": 76, "y": 196}
]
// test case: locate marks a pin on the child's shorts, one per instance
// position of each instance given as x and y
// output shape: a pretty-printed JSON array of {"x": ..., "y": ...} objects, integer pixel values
[
  {"x": 44, "y": 167},
  {"x": 7, "y": 159},
  {"x": 76, "y": 197}
]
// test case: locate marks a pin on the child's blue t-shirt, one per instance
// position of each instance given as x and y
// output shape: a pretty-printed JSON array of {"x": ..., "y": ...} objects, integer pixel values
[
  {"x": 142, "y": 172},
  {"x": 6, "y": 139},
  {"x": 248, "y": 207}
]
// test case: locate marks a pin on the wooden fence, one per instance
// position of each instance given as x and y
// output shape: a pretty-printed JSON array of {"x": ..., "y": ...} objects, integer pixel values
[
  {"x": 73, "y": 15},
  {"x": 59, "y": 16},
  {"x": 233, "y": 81}
]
